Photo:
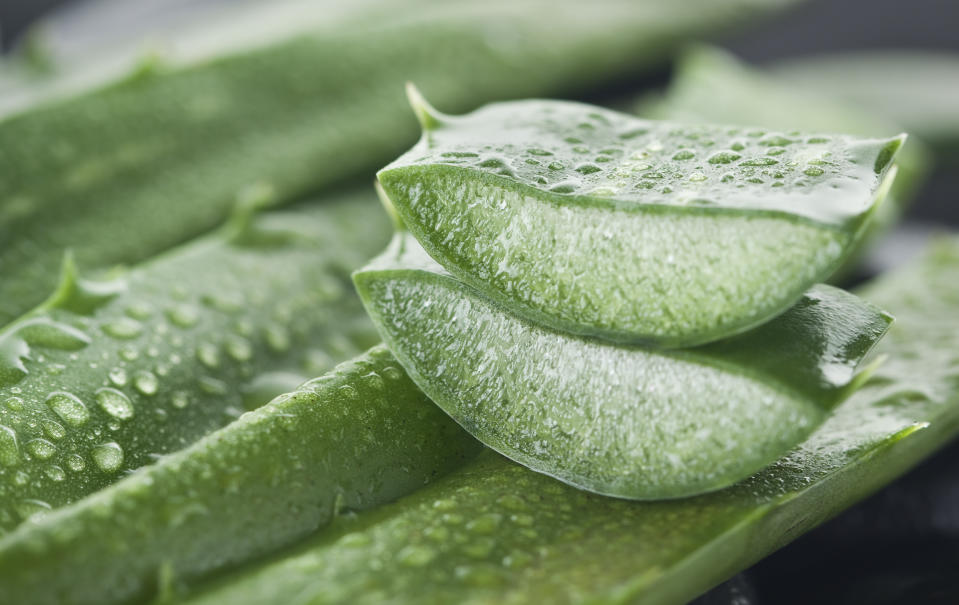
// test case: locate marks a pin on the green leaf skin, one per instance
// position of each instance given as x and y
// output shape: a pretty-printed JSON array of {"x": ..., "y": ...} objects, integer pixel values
[
  {"x": 712, "y": 85},
  {"x": 355, "y": 438},
  {"x": 106, "y": 376},
  {"x": 598, "y": 223},
  {"x": 916, "y": 89},
  {"x": 495, "y": 532},
  {"x": 136, "y": 166},
  {"x": 613, "y": 419}
]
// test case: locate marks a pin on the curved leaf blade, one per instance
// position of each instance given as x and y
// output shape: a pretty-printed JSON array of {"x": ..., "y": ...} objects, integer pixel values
[
  {"x": 599, "y": 223},
  {"x": 613, "y": 419}
]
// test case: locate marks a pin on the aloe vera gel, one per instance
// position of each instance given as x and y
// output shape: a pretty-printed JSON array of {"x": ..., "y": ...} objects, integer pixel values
[{"x": 564, "y": 245}]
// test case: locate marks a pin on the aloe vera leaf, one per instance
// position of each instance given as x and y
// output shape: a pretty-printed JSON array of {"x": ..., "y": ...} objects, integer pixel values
[
  {"x": 614, "y": 419},
  {"x": 712, "y": 85},
  {"x": 156, "y": 157},
  {"x": 598, "y": 223},
  {"x": 917, "y": 89},
  {"x": 495, "y": 532},
  {"x": 355, "y": 438},
  {"x": 107, "y": 375}
]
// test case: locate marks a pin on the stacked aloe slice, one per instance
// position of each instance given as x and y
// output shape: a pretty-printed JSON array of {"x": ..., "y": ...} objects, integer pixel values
[{"x": 627, "y": 305}]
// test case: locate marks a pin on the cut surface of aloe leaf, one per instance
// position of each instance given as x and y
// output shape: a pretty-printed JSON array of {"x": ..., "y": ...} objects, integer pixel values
[
  {"x": 149, "y": 159},
  {"x": 616, "y": 419},
  {"x": 497, "y": 533},
  {"x": 352, "y": 439},
  {"x": 599, "y": 223},
  {"x": 106, "y": 376}
]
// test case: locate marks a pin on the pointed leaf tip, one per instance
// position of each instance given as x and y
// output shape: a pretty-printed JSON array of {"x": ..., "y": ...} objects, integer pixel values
[
  {"x": 429, "y": 118},
  {"x": 889, "y": 151}
]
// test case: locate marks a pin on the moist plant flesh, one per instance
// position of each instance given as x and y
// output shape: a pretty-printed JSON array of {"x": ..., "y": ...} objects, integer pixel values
[
  {"x": 599, "y": 223},
  {"x": 616, "y": 419}
]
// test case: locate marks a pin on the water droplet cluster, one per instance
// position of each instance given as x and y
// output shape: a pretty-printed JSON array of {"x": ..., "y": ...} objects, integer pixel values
[
  {"x": 90, "y": 391},
  {"x": 577, "y": 150}
]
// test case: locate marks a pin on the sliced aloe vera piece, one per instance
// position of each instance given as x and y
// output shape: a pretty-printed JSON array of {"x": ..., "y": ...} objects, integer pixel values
[
  {"x": 497, "y": 533},
  {"x": 917, "y": 89},
  {"x": 614, "y": 419},
  {"x": 598, "y": 223},
  {"x": 357, "y": 437},
  {"x": 144, "y": 161},
  {"x": 106, "y": 376}
]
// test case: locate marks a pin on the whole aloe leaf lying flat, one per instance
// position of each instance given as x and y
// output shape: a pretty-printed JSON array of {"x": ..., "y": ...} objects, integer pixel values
[
  {"x": 106, "y": 376},
  {"x": 614, "y": 419},
  {"x": 156, "y": 157},
  {"x": 495, "y": 532},
  {"x": 352, "y": 439},
  {"x": 598, "y": 223}
]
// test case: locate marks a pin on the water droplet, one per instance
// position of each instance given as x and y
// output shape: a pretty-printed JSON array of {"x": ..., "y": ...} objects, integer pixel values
[
  {"x": 684, "y": 154},
  {"x": 759, "y": 162},
  {"x": 41, "y": 448},
  {"x": 115, "y": 403},
  {"x": 68, "y": 407},
  {"x": 485, "y": 524},
  {"x": 146, "y": 382},
  {"x": 139, "y": 310},
  {"x": 108, "y": 456},
  {"x": 9, "y": 450},
  {"x": 588, "y": 169},
  {"x": 814, "y": 171},
  {"x": 213, "y": 386},
  {"x": 512, "y": 502},
  {"x": 42, "y": 332},
  {"x": 30, "y": 509},
  {"x": 239, "y": 348},
  {"x": 392, "y": 373},
  {"x": 129, "y": 353},
  {"x": 277, "y": 338},
  {"x": 14, "y": 404},
  {"x": 724, "y": 157},
  {"x": 180, "y": 399},
  {"x": 54, "y": 430},
  {"x": 555, "y": 166},
  {"x": 415, "y": 555},
  {"x": 183, "y": 315},
  {"x": 123, "y": 328},
  {"x": 118, "y": 376},
  {"x": 21, "y": 478},
  {"x": 208, "y": 354},
  {"x": 55, "y": 473},
  {"x": 75, "y": 463}
]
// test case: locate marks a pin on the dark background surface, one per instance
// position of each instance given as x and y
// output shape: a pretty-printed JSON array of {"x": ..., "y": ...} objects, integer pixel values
[{"x": 900, "y": 546}]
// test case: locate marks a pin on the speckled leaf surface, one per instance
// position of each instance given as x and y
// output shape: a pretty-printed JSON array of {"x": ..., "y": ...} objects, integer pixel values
[
  {"x": 600, "y": 223},
  {"x": 613, "y": 419},
  {"x": 498, "y": 533},
  {"x": 109, "y": 375},
  {"x": 357, "y": 437}
]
